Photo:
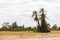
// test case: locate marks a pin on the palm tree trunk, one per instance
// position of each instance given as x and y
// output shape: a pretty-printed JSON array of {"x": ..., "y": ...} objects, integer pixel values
[{"x": 38, "y": 23}]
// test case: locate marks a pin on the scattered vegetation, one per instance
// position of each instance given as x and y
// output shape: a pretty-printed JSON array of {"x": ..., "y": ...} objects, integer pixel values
[{"x": 39, "y": 17}]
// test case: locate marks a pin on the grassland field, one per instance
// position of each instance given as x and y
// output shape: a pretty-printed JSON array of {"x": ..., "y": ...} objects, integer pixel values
[{"x": 29, "y": 35}]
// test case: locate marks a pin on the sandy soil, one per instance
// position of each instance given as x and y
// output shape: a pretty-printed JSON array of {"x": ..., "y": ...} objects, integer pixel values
[{"x": 37, "y": 37}]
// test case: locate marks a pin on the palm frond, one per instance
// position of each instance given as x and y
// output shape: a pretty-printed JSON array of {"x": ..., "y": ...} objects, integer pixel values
[{"x": 34, "y": 12}]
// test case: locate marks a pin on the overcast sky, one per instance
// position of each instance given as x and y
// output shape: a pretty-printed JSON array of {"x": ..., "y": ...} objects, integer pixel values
[{"x": 21, "y": 11}]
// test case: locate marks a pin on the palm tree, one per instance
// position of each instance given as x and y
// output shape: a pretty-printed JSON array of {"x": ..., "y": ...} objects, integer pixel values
[
  {"x": 40, "y": 17},
  {"x": 35, "y": 15},
  {"x": 44, "y": 26}
]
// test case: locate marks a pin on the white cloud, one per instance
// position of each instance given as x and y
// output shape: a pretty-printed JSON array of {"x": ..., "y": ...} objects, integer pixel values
[{"x": 21, "y": 10}]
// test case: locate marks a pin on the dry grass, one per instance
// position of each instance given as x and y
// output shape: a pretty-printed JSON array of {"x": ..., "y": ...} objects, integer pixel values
[
  {"x": 17, "y": 33},
  {"x": 26, "y": 33}
]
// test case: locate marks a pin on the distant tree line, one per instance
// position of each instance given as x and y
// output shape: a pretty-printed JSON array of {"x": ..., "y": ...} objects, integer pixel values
[
  {"x": 55, "y": 27},
  {"x": 15, "y": 27}
]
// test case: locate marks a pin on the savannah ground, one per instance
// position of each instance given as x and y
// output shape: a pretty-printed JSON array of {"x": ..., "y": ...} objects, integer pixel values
[{"x": 29, "y": 35}]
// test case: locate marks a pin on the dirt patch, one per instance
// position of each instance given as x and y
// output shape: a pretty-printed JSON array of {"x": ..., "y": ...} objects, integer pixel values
[{"x": 41, "y": 37}]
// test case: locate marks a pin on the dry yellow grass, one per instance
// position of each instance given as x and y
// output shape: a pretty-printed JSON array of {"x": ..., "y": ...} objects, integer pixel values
[
  {"x": 26, "y": 33},
  {"x": 16, "y": 33}
]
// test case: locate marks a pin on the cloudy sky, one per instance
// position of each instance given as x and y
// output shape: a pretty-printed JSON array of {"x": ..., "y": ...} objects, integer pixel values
[{"x": 21, "y": 11}]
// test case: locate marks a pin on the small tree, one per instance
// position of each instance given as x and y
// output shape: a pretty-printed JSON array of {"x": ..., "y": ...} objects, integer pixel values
[
  {"x": 54, "y": 27},
  {"x": 14, "y": 25},
  {"x": 58, "y": 28}
]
